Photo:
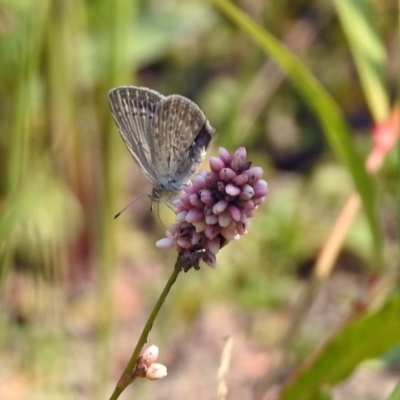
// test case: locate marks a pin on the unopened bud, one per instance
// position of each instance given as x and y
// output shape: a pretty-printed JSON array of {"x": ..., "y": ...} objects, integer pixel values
[
  {"x": 156, "y": 371},
  {"x": 150, "y": 354}
]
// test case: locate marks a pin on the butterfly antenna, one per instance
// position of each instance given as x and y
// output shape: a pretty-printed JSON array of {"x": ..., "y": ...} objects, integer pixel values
[{"x": 132, "y": 202}]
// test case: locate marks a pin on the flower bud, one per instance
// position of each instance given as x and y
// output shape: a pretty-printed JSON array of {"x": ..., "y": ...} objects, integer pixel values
[
  {"x": 197, "y": 183},
  {"x": 224, "y": 219},
  {"x": 209, "y": 258},
  {"x": 206, "y": 197},
  {"x": 220, "y": 207},
  {"x": 260, "y": 189},
  {"x": 213, "y": 245},
  {"x": 235, "y": 212},
  {"x": 181, "y": 216},
  {"x": 227, "y": 174},
  {"x": 165, "y": 243},
  {"x": 194, "y": 215},
  {"x": 240, "y": 180},
  {"x": 224, "y": 155},
  {"x": 156, "y": 371},
  {"x": 216, "y": 164},
  {"x": 232, "y": 190},
  {"x": 239, "y": 158},
  {"x": 183, "y": 242},
  {"x": 195, "y": 201},
  {"x": 247, "y": 192},
  {"x": 254, "y": 174},
  {"x": 150, "y": 354}
]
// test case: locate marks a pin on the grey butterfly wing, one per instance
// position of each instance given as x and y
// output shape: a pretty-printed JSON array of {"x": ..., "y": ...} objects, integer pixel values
[
  {"x": 133, "y": 109},
  {"x": 181, "y": 129}
]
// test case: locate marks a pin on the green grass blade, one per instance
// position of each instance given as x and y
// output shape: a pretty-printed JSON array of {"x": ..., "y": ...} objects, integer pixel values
[
  {"x": 364, "y": 338},
  {"x": 395, "y": 395},
  {"x": 368, "y": 51},
  {"x": 326, "y": 109}
]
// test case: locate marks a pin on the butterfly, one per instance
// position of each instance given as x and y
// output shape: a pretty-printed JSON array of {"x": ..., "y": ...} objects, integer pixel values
[{"x": 167, "y": 136}]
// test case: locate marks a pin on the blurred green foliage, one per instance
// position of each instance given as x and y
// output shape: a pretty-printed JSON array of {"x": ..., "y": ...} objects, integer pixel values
[{"x": 64, "y": 172}]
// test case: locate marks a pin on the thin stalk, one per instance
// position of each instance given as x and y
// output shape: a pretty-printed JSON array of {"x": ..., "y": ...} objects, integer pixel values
[{"x": 127, "y": 377}]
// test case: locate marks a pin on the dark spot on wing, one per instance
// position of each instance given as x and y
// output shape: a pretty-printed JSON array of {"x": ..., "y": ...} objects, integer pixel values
[{"x": 200, "y": 143}]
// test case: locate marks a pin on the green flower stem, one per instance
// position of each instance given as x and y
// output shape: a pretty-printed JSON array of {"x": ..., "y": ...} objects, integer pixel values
[{"x": 127, "y": 376}]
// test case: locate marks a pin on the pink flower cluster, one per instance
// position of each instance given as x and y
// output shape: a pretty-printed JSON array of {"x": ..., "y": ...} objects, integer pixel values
[{"x": 215, "y": 208}]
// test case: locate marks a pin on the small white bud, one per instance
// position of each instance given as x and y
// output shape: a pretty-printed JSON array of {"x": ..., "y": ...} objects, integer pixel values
[{"x": 156, "y": 371}]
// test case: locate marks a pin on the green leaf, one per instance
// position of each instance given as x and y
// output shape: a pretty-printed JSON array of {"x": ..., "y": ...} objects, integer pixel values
[
  {"x": 368, "y": 51},
  {"x": 395, "y": 395},
  {"x": 319, "y": 100},
  {"x": 363, "y": 338}
]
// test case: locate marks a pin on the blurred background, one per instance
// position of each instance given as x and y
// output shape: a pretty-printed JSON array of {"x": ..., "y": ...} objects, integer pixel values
[{"x": 77, "y": 286}]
